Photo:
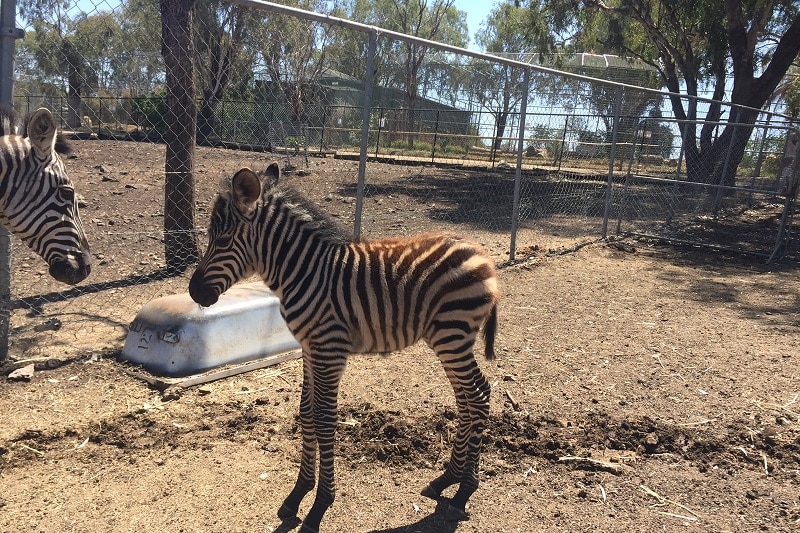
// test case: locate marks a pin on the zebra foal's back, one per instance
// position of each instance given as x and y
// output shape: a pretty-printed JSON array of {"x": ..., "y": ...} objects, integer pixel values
[{"x": 404, "y": 289}]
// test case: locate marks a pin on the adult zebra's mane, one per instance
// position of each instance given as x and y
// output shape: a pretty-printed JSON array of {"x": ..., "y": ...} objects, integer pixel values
[{"x": 11, "y": 124}]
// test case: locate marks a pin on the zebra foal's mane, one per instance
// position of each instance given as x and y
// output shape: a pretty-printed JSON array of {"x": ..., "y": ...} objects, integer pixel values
[{"x": 285, "y": 196}]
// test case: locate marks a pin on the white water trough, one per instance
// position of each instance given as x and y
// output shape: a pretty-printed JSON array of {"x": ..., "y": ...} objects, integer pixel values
[{"x": 174, "y": 336}]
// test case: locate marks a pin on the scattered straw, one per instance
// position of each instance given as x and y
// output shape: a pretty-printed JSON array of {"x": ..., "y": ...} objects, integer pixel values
[{"x": 662, "y": 500}]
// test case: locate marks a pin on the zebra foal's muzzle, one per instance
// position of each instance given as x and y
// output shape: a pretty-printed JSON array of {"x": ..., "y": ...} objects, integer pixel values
[{"x": 201, "y": 291}]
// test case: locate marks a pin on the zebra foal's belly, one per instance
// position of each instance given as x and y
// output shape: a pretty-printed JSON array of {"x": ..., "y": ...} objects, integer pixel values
[{"x": 382, "y": 336}]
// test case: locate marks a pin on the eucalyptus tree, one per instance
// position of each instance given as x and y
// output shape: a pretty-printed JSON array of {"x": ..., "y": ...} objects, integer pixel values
[
  {"x": 732, "y": 49},
  {"x": 788, "y": 91},
  {"x": 293, "y": 52},
  {"x": 439, "y": 21},
  {"x": 177, "y": 46},
  {"x": 223, "y": 59},
  {"x": 347, "y": 48},
  {"x": 142, "y": 69},
  {"x": 71, "y": 44},
  {"x": 499, "y": 86}
]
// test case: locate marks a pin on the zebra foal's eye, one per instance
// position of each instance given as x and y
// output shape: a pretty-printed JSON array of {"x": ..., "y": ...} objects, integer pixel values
[{"x": 223, "y": 240}]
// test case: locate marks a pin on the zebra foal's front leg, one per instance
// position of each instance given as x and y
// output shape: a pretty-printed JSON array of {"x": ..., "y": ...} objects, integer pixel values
[
  {"x": 327, "y": 376},
  {"x": 306, "y": 478}
]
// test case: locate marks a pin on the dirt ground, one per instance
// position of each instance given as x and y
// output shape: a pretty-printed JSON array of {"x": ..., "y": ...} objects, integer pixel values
[{"x": 637, "y": 387}]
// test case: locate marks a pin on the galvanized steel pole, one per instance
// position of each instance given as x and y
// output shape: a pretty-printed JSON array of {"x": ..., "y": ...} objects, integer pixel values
[
  {"x": 8, "y": 34},
  {"x": 365, "y": 115},
  {"x": 512, "y": 252}
]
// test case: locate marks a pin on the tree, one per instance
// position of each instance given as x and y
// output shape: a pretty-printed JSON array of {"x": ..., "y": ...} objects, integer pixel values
[
  {"x": 221, "y": 29},
  {"x": 603, "y": 99},
  {"x": 180, "y": 243},
  {"x": 500, "y": 86},
  {"x": 440, "y": 21},
  {"x": 71, "y": 46},
  {"x": 789, "y": 91},
  {"x": 294, "y": 52},
  {"x": 142, "y": 66},
  {"x": 693, "y": 45}
]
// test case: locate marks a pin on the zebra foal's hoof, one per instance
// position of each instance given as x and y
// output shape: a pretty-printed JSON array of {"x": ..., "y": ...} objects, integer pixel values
[
  {"x": 308, "y": 529},
  {"x": 454, "y": 514},
  {"x": 285, "y": 512},
  {"x": 430, "y": 492}
]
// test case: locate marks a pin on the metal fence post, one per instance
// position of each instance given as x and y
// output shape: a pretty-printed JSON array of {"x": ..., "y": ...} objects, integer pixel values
[
  {"x": 8, "y": 34},
  {"x": 526, "y": 80},
  {"x": 378, "y": 136},
  {"x": 365, "y": 115},
  {"x": 611, "y": 156}
]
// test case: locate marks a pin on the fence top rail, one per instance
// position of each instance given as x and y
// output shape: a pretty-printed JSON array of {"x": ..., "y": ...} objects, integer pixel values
[
  {"x": 758, "y": 125},
  {"x": 368, "y": 28},
  {"x": 715, "y": 186}
]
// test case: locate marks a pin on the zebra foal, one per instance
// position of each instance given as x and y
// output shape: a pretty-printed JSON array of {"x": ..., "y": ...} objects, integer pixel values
[
  {"x": 37, "y": 199},
  {"x": 341, "y": 296}
]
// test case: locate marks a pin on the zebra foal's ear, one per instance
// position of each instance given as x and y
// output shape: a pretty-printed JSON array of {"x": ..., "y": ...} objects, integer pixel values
[
  {"x": 245, "y": 190},
  {"x": 42, "y": 130},
  {"x": 273, "y": 174}
]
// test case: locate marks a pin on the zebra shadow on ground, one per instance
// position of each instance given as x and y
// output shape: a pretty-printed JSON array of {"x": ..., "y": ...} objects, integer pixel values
[
  {"x": 34, "y": 303},
  {"x": 433, "y": 523}
]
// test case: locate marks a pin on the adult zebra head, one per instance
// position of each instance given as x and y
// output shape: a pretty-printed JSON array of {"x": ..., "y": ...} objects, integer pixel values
[{"x": 37, "y": 199}]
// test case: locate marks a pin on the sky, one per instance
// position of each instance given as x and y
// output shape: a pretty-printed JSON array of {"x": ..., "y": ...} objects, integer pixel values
[{"x": 477, "y": 11}]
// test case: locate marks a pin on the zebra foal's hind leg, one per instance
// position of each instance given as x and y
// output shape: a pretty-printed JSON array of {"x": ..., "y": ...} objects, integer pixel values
[{"x": 472, "y": 393}]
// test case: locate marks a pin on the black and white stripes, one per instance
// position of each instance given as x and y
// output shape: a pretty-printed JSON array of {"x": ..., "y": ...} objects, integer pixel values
[
  {"x": 341, "y": 296},
  {"x": 37, "y": 200}
]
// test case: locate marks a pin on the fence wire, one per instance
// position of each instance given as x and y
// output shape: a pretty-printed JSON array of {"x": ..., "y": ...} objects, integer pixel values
[{"x": 586, "y": 160}]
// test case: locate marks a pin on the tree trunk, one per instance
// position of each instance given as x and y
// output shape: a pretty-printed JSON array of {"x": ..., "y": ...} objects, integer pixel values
[
  {"x": 75, "y": 80},
  {"x": 716, "y": 161},
  {"x": 207, "y": 120},
  {"x": 180, "y": 242},
  {"x": 500, "y": 130}
]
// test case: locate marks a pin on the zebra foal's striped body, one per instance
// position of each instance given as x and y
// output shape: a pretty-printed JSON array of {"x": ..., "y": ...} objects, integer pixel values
[
  {"x": 340, "y": 296},
  {"x": 37, "y": 200}
]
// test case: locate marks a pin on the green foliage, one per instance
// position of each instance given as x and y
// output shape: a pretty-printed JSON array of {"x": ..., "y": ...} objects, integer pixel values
[
  {"x": 294, "y": 141},
  {"x": 150, "y": 112},
  {"x": 791, "y": 92},
  {"x": 766, "y": 151}
]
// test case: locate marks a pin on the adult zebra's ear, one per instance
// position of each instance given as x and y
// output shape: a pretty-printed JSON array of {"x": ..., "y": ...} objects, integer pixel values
[
  {"x": 245, "y": 191},
  {"x": 273, "y": 174},
  {"x": 42, "y": 130}
]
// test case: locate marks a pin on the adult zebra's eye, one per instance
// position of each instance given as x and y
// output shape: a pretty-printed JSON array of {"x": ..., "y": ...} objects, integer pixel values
[{"x": 68, "y": 195}]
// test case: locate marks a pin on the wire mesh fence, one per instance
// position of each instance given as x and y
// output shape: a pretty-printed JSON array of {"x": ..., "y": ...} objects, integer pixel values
[{"x": 517, "y": 156}]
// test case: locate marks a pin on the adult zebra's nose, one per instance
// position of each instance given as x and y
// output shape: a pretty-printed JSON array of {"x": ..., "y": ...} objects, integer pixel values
[
  {"x": 71, "y": 269},
  {"x": 200, "y": 291}
]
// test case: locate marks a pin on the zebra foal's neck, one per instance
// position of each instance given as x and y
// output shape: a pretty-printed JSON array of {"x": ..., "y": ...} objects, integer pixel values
[{"x": 296, "y": 235}]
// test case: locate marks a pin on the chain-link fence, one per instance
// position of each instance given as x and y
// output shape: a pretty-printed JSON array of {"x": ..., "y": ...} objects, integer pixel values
[{"x": 514, "y": 154}]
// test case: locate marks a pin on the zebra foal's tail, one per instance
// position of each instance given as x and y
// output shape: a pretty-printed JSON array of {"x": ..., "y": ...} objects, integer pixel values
[{"x": 489, "y": 330}]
